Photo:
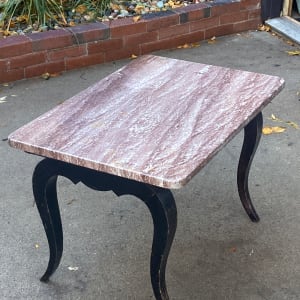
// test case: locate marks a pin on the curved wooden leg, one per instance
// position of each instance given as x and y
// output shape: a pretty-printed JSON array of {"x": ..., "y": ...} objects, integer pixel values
[
  {"x": 164, "y": 215},
  {"x": 251, "y": 140},
  {"x": 44, "y": 190},
  {"x": 163, "y": 210},
  {"x": 159, "y": 201}
]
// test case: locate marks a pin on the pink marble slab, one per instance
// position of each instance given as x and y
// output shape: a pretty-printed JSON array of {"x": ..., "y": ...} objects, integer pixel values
[{"x": 157, "y": 120}]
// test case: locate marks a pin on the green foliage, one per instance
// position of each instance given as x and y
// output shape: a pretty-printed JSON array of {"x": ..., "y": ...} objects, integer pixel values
[
  {"x": 43, "y": 11},
  {"x": 31, "y": 10}
]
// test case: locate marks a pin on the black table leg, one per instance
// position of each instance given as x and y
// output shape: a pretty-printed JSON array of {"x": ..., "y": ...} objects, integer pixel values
[
  {"x": 159, "y": 201},
  {"x": 251, "y": 140}
]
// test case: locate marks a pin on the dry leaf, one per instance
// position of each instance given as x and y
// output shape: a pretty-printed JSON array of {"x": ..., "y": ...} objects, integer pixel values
[
  {"x": 195, "y": 45},
  {"x": 53, "y": 75},
  {"x": 290, "y": 123},
  {"x": 81, "y": 9},
  {"x": 293, "y": 124},
  {"x": 292, "y": 53},
  {"x": 136, "y": 18},
  {"x": 273, "y": 129},
  {"x": 133, "y": 56},
  {"x": 263, "y": 27},
  {"x": 46, "y": 76},
  {"x": 212, "y": 40},
  {"x": 232, "y": 249},
  {"x": 188, "y": 46}
]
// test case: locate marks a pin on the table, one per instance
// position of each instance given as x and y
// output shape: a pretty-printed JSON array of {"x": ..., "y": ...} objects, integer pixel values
[{"x": 144, "y": 130}]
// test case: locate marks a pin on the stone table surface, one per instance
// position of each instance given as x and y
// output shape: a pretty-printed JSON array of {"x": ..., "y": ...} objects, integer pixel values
[{"x": 157, "y": 120}]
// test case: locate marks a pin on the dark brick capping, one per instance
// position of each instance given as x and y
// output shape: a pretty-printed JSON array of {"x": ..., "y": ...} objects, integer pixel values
[{"x": 65, "y": 49}]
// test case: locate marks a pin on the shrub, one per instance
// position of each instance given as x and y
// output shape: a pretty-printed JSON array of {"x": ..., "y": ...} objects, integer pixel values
[{"x": 46, "y": 12}]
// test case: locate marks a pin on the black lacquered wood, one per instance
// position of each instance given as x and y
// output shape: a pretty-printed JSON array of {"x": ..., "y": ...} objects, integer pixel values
[
  {"x": 252, "y": 137},
  {"x": 159, "y": 201}
]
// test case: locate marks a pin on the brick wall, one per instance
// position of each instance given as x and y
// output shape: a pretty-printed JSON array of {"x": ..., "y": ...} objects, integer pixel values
[{"x": 28, "y": 56}]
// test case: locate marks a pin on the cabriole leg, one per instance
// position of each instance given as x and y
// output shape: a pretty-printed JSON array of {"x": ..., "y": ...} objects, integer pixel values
[
  {"x": 251, "y": 140},
  {"x": 45, "y": 195}
]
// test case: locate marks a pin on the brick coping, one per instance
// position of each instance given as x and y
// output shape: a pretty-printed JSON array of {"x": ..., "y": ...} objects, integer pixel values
[{"x": 28, "y": 56}]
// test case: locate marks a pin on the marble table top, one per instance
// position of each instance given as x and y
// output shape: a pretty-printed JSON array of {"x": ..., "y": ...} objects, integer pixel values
[{"x": 157, "y": 120}]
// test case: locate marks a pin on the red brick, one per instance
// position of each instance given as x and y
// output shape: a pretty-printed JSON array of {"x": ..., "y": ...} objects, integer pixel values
[
  {"x": 38, "y": 70},
  {"x": 52, "y": 39},
  {"x": 141, "y": 38},
  {"x": 12, "y": 75},
  {"x": 194, "y": 12},
  {"x": 234, "y": 17},
  {"x": 221, "y": 9},
  {"x": 27, "y": 60},
  {"x": 3, "y": 65},
  {"x": 172, "y": 42},
  {"x": 60, "y": 54},
  {"x": 247, "y": 25},
  {"x": 104, "y": 46},
  {"x": 162, "y": 22},
  {"x": 173, "y": 31},
  {"x": 204, "y": 24},
  {"x": 219, "y": 31},
  {"x": 84, "y": 61},
  {"x": 89, "y": 32},
  {"x": 200, "y": 14},
  {"x": 122, "y": 53},
  {"x": 14, "y": 46},
  {"x": 123, "y": 27}
]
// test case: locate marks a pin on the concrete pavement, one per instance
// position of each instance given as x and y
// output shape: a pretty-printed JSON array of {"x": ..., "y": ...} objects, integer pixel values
[{"x": 217, "y": 253}]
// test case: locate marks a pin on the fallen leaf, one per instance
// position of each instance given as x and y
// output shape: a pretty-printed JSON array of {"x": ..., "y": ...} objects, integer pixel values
[
  {"x": 133, "y": 56},
  {"x": 46, "y": 76},
  {"x": 188, "y": 46},
  {"x": 81, "y": 9},
  {"x": 53, "y": 75},
  {"x": 73, "y": 268},
  {"x": 293, "y": 124},
  {"x": 232, "y": 249},
  {"x": 136, "y": 18},
  {"x": 263, "y": 27},
  {"x": 292, "y": 53},
  {"x": 290, "y": 123},
  {"x": 195, "y": 45},
  {"x": 273, "y": 129},
  {"x": 212, "y": 40}
]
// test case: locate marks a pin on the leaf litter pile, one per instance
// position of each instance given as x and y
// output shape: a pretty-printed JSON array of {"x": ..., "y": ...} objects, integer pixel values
[{"x": 19, "y": 17}]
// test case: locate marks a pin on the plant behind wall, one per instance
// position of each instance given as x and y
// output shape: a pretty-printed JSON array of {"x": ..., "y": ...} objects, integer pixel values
[{"x": 44, "y": 14}]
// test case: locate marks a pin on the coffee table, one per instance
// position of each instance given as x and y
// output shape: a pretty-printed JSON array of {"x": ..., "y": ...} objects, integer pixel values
[{"x": 144, "y": 130}]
